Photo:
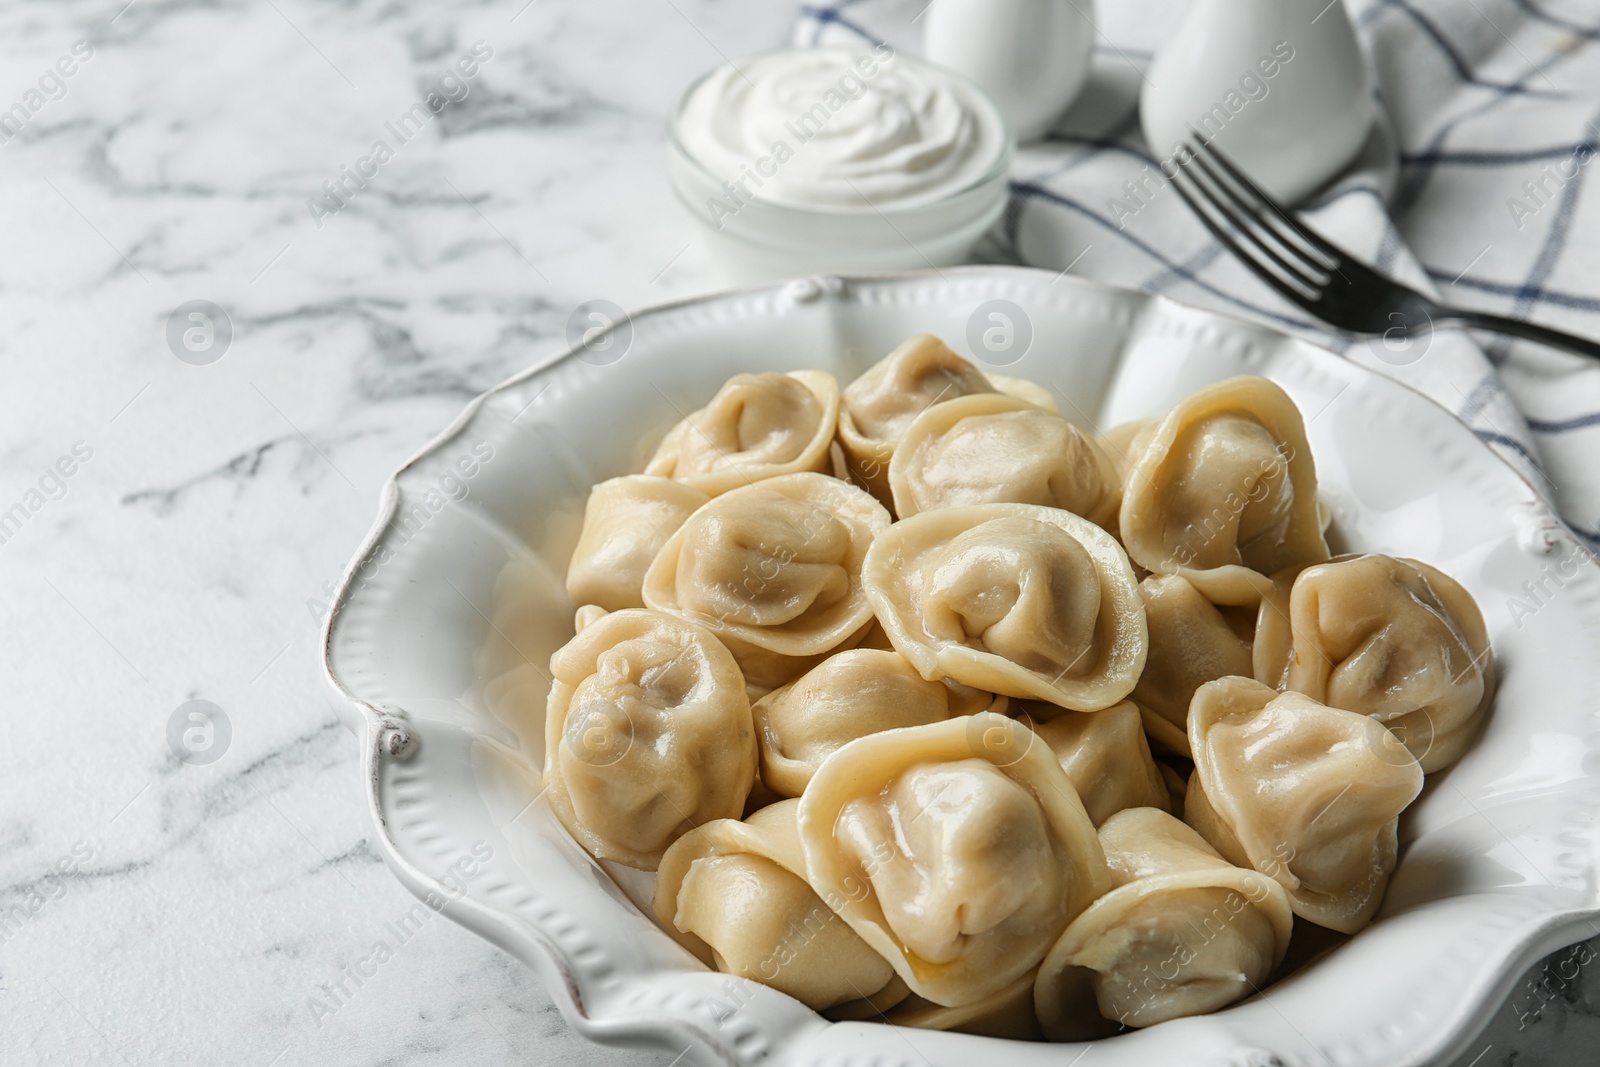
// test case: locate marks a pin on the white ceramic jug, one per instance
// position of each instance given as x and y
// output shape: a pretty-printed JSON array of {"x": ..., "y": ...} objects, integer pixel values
[
  {"x": 1031, "y": 56},
  {"x": 1282, "y": 86}
]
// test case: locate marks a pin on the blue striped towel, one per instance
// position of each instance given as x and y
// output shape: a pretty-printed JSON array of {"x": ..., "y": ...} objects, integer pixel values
[{"x": 1478, "y": 191}]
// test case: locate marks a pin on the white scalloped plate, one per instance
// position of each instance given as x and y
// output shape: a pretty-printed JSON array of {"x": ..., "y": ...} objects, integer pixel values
[{"x": 1499, "y": 863}]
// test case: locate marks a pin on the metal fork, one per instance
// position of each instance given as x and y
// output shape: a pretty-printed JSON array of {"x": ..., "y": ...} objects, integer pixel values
[{"x": 1319, "y": 276}]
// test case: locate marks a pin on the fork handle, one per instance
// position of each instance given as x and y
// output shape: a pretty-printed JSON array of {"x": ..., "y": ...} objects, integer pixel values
[{"x": 1528, "y": 331}]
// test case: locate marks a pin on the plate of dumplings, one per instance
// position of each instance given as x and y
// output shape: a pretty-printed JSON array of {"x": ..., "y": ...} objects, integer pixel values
[{"x": 791, "y": 678}]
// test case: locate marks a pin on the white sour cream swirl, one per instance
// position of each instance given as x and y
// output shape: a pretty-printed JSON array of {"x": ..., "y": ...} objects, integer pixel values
[{"x": 840, "y": 129}]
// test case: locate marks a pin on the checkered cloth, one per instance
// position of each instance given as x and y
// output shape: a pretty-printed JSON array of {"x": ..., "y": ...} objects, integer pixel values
[{"x": 1479, "y": 99}]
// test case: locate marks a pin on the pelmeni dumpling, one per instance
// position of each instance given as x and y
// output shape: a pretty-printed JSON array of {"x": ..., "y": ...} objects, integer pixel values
[
  {"x": 1191, "y": 643},
  {"x": 773, "y": 569},
  {"x": 625, "y": 523},
  {"x": 1183, "y": 932},
  {"x": 849, "y": 695},
  {"x": 958, "y": 850},
  {"x": 735, "y": 894},
  {"x": 648, "y": 734},
  {"x": 1011, "y": 598},
  {"x": 1007, "y": 1014},
  {"x": 757, "y": 426},
  {"x": 876, "y": 408},
  {"x": 1224, "y": 492},
  {"x": 1391, "y": 638},
  {"x": 1106, "y": 756},
  {"x": 1307, "y": 794},
  {"x": 992, "y": 449}
]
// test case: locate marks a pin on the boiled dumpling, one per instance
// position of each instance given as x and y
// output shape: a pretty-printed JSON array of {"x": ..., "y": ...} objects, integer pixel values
[
  {"x": 625, "y": 523},
  {"x": 1106, "y": 756},
  {"x": 849, "y": 695},
  {"x": 1183, "y": 932},
  {"x": 958, "y": 850},
  {"x": 993, "y": 449},
  {"x": 735, "y": 894},
  {"x": 1191, "y": 643},
  {"x": 648, "y": 734},
  {"x": 1307, "y": 794},
  {"x": 1224, "y": 492},
  {"x": 1391, "y": 638},
  {"x": 877, "y": 407},
  {"x": 774, "y": 570},
  {"x": 1011, "y": 598},
  {"x": 758, "y": 426}
]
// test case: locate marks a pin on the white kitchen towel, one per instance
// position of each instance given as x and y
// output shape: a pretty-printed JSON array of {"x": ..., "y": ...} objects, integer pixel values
[{"x": 1476, "y": 188}]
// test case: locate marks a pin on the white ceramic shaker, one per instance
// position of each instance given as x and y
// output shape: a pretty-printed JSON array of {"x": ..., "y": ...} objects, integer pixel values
[
  {"x": 1031, "y": 56},
  {"x": 1282, "y": 86}
]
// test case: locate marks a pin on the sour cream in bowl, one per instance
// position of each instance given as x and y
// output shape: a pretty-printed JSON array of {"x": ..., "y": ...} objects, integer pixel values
[{"x": 839, "y": 159}]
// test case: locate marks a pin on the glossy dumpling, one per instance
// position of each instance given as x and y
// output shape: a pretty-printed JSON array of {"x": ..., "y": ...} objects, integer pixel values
[
  {"x": 625, "y": 523},
  {"x": 648, "y": 734},
  {"x": 1106, "y": 756},
  {"x": 849, "y": 695},
  {"x": 1391, "y": 638},
  {"x": 1304, "y": 793},
  {"x": 1011, "y": 598},
  {"x": 1224, "y": 492},
  {"x": 757, "y": 426},
  {"x": 994, "y": 449},
  {"x": 958, "y": 850},
  {"x": 735, "y": 894},
  {"x": 773, "y": 569},
  {"x": 876, "y": 408},
  {"x": 1191, "y": 643},
  {"x": 1184, "y": 932}
]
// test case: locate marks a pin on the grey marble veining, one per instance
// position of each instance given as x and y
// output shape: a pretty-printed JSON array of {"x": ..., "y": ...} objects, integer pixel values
[{"x": 159, "y": 912}]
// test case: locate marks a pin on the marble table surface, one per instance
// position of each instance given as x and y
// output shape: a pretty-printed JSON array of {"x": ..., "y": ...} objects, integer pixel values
[{"x": 169, "y": 526}]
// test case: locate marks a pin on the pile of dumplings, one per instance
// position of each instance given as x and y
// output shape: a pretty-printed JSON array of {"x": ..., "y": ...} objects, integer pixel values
[{"x": 927, "y": 705}]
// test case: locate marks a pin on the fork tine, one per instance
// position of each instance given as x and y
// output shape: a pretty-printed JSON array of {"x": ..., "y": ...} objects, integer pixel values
[
  {"x": 1315, "y": 240},
  {"x": 1240, "y": 215},
  {"x": 1289, "y": 292}
]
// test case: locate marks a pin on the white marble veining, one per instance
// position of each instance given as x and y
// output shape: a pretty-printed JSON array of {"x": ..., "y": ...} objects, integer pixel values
[{"x": 156, "y": 912}]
